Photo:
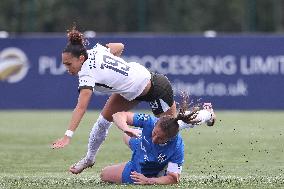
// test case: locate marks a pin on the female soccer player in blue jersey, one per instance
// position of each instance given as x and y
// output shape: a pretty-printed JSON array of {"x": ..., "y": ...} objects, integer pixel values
[
  {"x": 157, "y": 151},
  {"x": 158, "y": 146}
]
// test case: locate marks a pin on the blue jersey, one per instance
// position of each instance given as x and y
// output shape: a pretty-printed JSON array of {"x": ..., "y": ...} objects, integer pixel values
[{"x": 149, "y": 158}]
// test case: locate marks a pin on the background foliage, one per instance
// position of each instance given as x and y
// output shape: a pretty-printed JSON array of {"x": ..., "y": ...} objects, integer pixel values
[{"x": 142, "y": 15}]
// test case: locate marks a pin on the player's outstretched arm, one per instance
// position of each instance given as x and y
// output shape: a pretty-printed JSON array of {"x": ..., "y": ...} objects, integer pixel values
[
  {"x": 122, "y": 120},
  {"x": 115, "y": 48},
  {"x": 78, "y": 113}
]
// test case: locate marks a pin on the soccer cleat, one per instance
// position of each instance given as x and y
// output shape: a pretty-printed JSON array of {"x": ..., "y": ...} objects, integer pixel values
[
  {"x": 208, "y": 107},
  {"x": 78, "y": 167}
]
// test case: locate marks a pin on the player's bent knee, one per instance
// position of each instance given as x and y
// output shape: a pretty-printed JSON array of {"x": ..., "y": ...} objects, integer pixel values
[
  {"x": 111, "y": 174},
  {"x": 107, "y": 175},
  {"x": 103, "y": 174}
]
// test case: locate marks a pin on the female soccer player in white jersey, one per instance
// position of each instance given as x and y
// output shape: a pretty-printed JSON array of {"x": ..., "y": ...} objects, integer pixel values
[{"x": 101, "y": 69}]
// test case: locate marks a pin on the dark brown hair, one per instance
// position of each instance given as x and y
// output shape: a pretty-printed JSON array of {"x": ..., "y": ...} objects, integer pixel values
[
  {"x": 76, "y": 43},
  {"x": 169, "y": 124}
]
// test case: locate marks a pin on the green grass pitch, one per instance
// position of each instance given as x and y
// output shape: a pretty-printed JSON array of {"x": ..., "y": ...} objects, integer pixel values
[{"x": 243, "y": 150}]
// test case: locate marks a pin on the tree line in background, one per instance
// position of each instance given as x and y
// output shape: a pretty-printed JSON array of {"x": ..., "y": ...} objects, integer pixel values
[{"x": 193, "y": 16}]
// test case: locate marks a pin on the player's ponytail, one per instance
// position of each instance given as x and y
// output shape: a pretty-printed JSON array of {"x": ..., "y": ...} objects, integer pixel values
[
  {"x": 183, "y": 114},
  {"x": 76, "y": 43},
  {"x": 169, "y": 124},
  {"x": 75, "y": 37}
]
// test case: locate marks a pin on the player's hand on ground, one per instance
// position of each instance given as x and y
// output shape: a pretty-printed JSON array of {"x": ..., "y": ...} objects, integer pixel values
[
  {"x": 133, "y": 132},
  {"x": 61, "y": 143},
  {"x": 139, "y": 178}
]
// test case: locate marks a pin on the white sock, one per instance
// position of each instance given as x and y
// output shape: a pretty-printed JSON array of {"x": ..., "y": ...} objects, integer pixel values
[
  {"x": 203, "y": 116},
  {"x": 97, "y": 136}
]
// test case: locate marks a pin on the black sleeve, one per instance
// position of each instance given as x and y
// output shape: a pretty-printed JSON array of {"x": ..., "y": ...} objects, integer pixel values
[{"x": 85, "y": 87}]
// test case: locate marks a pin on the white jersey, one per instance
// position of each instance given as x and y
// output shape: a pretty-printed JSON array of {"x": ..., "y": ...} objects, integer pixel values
[{"x": 107, "y": 73}]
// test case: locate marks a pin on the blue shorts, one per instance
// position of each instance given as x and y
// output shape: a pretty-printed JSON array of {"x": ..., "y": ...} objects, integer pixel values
[{"x": 126, "y": 179}]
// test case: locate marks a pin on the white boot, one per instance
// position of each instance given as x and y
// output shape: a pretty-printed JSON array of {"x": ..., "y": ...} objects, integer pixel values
[{"x": 206, "y": 115}]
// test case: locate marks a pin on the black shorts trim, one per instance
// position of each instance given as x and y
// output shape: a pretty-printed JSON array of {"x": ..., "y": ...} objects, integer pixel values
[
  {"x": 85, "y": 87},
  {"x": 161, "y": 90},
  {"x": 103, "y": 85}
]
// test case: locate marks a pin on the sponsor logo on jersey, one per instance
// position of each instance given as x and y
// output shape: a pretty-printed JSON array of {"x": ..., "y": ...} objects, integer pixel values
[
  {"x": 13, "y": 65},
  {"x": 146, "y": 158},
  {"x": 143, "y": 117},
  {"x": 162, "y": 157}
]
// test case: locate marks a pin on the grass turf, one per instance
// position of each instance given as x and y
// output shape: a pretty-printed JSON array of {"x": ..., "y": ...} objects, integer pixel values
[{"x": 243, "y": 150}]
